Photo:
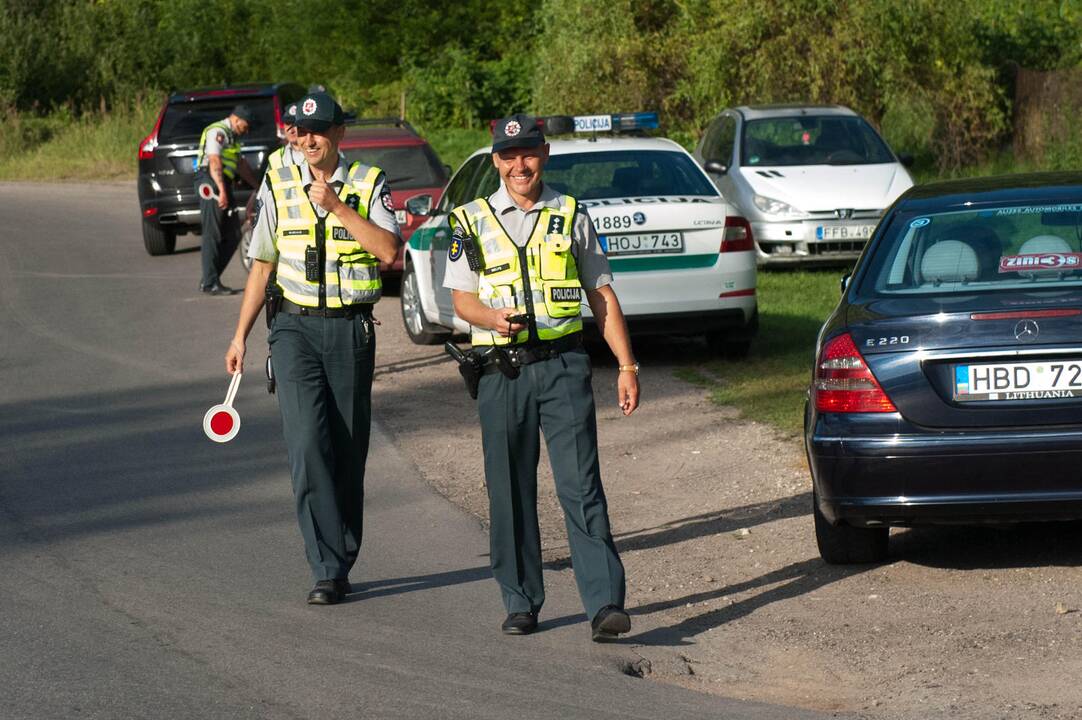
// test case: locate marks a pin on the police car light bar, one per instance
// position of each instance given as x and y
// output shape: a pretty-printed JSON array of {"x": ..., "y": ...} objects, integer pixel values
[{"x": 620, "y": 122}]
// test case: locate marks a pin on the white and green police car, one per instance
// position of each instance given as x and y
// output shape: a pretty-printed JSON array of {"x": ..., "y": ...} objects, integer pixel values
[{"x": 682, "y": 262}]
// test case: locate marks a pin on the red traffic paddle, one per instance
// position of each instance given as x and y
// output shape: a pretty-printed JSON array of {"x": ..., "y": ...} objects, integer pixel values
[{"x": 222, "y": 423}]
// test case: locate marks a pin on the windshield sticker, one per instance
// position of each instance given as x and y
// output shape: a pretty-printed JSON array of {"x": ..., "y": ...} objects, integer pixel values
[
  {"x": 920, "y": 222},
  {"x": 1036, "y": 209},
  {"x": 753, "y": 159},
  {"x": 1040, "y": 261}
]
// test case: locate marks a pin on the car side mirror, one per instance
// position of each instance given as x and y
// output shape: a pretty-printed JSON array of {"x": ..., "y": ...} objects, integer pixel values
[
  {"x": 845, "y": 282},
  {"x": 715, "y": 167},
  {"x": 906, "y": 160},
  {"x": 420, "y": 205},
  {"x": 448, "y": 170}
]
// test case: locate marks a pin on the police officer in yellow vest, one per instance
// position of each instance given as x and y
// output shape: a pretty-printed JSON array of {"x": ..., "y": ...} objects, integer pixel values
[
  {"x": 519, "y": 265},
  {"x": 288, "y": 154},
  {"x": 218, "y": 162},
  {"x": 323, "y": 227}
]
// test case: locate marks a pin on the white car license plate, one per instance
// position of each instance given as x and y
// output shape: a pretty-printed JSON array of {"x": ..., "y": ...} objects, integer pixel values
[
  {"x": 643, "y": 243},
  {"x": 844, "y": 232},
  {"x": 1018, "y": 381},
  {"x": 400, "y": 216}
]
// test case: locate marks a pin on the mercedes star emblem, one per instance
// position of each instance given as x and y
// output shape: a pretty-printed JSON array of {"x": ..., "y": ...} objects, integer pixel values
[{"x": 1026, "y": 331}]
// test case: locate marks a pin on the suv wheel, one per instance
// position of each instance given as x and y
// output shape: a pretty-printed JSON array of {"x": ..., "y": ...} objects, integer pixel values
[
  {"x": 245, "y": 243},
  {"x": 413, "y": 317},
  {"x": 158, "y": 241},
  {"x": 847, "y": 545}
]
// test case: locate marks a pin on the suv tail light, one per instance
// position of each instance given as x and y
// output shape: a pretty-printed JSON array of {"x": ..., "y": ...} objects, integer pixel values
[
  {"x": 737, "y": 235},
  {"x": 843, "y": 382},
  {"x": 278, "y": 124},
  {"x": 150, "y": 142}
]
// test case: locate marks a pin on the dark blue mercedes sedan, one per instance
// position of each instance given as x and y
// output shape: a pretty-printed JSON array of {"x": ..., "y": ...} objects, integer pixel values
[{"x": 948, "y": 382}]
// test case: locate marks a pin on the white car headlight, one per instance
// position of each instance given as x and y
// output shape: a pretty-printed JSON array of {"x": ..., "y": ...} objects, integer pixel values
[{"x": 770, "y": 206}]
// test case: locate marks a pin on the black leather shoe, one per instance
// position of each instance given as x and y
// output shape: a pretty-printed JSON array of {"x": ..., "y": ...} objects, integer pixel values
[
  {"x": 609, "y": 622},
  {"x": 329, "y": 592},
  {"x": 520, "y": 623},
  {"x": 218, "y": 289}
]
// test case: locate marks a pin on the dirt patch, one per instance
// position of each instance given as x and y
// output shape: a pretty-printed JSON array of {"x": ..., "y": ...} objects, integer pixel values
[{"x": 726, "y": 588}]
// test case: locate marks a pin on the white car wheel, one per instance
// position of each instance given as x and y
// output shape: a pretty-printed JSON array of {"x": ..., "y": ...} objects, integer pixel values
[{"x": 418, "y": 328}]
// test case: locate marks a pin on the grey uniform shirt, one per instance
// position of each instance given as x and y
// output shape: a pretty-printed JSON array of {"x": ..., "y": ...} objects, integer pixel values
[
  {"x": 263, "y": 245},
  {"x": 593, "y": 264},
  {"x": 217, "y": 139}
]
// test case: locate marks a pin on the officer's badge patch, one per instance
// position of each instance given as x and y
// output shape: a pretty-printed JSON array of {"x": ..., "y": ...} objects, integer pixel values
[
  {"x": 385, "y": 198},
  {"x": 256, "y": 209},
  {"x": 512, "y": 129},
  {"x": 556, "y": 225},
  {"x": 220, "y": 138},
  {"x": 353, "y": 201},
  {"x": 309, "y": 106},
  {"x": 566, "y": 294},
  {"x": 457, "y": 246}
]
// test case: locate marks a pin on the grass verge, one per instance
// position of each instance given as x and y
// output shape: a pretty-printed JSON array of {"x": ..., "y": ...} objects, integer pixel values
[{"x": 769, "y": 385}]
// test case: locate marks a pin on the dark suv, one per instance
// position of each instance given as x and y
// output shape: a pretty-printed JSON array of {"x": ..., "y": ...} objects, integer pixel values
[{"x": 168, "y": 154}]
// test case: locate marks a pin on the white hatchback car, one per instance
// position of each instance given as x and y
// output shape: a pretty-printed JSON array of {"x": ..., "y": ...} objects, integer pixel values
[
  {"x": 682, "y": 262},
  {"x": 812, "y": 180}
]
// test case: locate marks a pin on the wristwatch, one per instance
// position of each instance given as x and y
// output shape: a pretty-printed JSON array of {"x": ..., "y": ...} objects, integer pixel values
[{"x": 633, "y": 367}]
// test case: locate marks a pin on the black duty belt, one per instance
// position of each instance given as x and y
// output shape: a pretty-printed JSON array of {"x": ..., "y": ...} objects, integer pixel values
[
  {"x": 519, "y": 355},
  {"x": 349, "y": 311}
]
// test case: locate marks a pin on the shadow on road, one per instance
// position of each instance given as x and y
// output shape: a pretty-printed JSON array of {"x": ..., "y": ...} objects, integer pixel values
[{"x": 989, "y": 547}]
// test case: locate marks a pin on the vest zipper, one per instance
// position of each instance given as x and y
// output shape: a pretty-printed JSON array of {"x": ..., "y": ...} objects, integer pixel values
[
  {"x": 321, "y": 251},
  {"x": 531, "y": 326}
]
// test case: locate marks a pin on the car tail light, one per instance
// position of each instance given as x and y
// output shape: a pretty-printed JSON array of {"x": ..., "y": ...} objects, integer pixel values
[
  {"x": 150, "y": 212},
  {"x": 737, "y": 235},
  {"x": 843, "y": 382},
  {"x": 281, "y": 128},
  {"x": 150, "y": 142}
]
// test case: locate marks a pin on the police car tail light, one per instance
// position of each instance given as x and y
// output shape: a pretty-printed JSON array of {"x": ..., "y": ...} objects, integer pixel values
[
  {"x": 278, "y": 124},
  {"x": 844, "y": 383},
  {"x": 150, "y": 142},
  {"x": 737, "y": 235}
]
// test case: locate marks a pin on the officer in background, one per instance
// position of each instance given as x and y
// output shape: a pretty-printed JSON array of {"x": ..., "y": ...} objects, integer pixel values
[
  {"x": 219, "y": 161},
  {"x": 288, "y": 154},
  {"x": 518, "y": 265},
  {"x": 323, "y": 227}
]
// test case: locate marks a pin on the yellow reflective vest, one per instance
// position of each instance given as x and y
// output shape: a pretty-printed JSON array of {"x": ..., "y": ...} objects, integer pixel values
[
  {"x": 541, "y": 278},
  {"x": 230, "y": 153},
  {"x": 279, "y": 158},
  {"x": 349, "y": 274}
]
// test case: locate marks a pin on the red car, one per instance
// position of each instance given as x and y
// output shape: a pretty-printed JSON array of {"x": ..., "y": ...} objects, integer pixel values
[{"x": 412, "y": 166}]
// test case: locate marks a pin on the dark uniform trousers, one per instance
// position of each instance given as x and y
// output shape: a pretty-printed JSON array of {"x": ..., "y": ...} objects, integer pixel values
[
  {"x": 323, "y": 367},
  {"x": 221, "y": 234},
  {"x": 555, "y": 397}
]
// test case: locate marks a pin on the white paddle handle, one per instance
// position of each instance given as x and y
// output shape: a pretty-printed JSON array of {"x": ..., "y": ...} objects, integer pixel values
[{"x": 232, "y": 392}]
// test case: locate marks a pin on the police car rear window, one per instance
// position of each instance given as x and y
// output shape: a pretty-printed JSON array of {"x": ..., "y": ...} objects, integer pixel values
[
  {"x": 408, "y": 168},
  {"x": 184, "y": 122},
  {"x": 626, "y": 173}
]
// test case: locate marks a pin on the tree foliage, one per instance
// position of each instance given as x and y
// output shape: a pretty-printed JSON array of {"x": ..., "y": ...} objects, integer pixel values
[{"x": 935, "y": 76}]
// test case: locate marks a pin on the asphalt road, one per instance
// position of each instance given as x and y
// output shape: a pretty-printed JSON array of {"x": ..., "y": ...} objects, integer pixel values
[{"x": 147, "y": 572}]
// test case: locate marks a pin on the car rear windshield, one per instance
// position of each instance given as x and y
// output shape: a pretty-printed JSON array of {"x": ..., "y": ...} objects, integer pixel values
[
  {"x": 184, "y": 121},
  {"x": 408, "y": 168},
  {"x": 1010, "y": 247},
  {"x": 626, "y": 173},
  {"x": 812, "y": 140}
]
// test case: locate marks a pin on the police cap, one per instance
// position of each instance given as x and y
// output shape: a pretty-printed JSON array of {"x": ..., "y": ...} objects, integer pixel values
[
  {"x": 291, "y": 115},
  {"x": 519, "y": 130},
  {"x": 244, "y": 112},
  {"x": 318, "y": 111}
]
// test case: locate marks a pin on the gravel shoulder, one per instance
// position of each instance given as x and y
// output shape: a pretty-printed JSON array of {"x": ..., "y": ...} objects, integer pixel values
[{"x": 712, "y": 516}]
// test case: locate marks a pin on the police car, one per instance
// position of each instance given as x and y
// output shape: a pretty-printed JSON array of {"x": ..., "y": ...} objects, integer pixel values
[{"x": 682, "y": 262}]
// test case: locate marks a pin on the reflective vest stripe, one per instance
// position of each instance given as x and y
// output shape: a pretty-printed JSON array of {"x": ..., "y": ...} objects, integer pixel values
[
  {"x": 230, "y": 153},
  {"x": 555, "y": 295}
]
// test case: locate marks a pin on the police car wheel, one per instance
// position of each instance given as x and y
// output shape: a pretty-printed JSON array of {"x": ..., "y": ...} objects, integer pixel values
[
  {"x": 847, "y": 545},
  {"x": 158, "y": 241},
  {"x": 420, "y": 331}
]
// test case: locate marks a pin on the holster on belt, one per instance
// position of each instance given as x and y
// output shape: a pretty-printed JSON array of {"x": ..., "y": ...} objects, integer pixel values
[
  {"x": 470, "y": 365},
  {"x": 272, "y": 305}
]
